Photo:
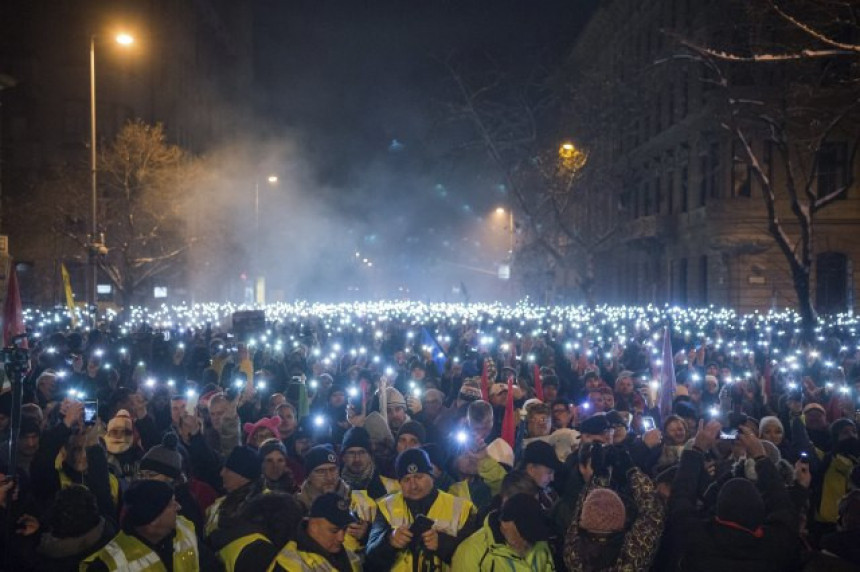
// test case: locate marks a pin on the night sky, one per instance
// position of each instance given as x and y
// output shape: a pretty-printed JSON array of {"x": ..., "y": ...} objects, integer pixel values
[{"x": 361, "y": 88}]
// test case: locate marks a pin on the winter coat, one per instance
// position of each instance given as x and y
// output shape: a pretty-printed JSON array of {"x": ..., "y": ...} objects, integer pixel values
[
  {"x": 638, "y": 544},
  {"x": 707, "y": 545},
  {"x": 487, "y": 550}
]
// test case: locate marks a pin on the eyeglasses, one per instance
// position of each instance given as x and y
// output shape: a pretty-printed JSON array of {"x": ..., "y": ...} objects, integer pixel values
[
  {"x": 120, "y": 433},
  {"x": 355, "y": 454}
]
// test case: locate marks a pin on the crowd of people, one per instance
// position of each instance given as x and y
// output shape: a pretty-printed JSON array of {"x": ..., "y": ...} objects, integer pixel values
[{"x": 431, "y": 438}]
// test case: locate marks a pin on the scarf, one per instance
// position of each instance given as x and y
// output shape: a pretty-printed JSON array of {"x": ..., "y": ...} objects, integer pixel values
[
  {"x": 358, "y": 481},
  {"x": 308, "y": 493}
]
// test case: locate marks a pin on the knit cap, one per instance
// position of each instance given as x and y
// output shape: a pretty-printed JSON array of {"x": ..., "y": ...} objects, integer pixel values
[
  {"x": 164, "y": 459},
  {"x": 122, "y": 420},
  {"x": 273, "y": 424},
  {"x": 395, "y": 398},
  {"x": 739, "y": 504},
  {"x": 603, "y": 512},
  {"x": 145, "y": 500},
  {"x": 318, "y": 456},
  {"x": 413, "y": 428},
  {"x": 244, "y": 462},
  {"x": 270, "y": 445},
  {"x": 412, "y": 461},
  {"x": 356, "y": 437}
]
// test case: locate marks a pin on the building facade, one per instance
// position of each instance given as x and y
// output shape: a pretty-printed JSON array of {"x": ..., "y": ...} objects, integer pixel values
[{"x": 691, "y": 223}]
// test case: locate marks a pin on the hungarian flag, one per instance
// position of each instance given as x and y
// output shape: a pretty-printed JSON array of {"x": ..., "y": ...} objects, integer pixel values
[
  {"x": 508, "y": 422},
  {"x": 538, "y": 383},
  {"x": 13, "y": 313}
]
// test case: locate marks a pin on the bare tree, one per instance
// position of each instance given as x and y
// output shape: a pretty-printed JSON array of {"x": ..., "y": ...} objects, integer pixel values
[
  {"x": 810, "y": 99},
  {"x": 514, "y": 119},
  {"x": 144, "y": 188}
]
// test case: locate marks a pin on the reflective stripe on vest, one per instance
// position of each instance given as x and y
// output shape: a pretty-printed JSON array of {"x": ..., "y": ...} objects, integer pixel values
[
  {"x": 448, "y": 513},
  {"x": 212, "y": 516},
  {"x": 363, "y": 506},
  {"x": 127, "y": 553},
  {"x": 291, "y": 558},
  {"x": 230, "y": 553}
]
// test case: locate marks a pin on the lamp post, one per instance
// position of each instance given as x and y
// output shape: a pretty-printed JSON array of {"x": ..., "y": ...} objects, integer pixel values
[
  {"x": 259, "y": 277},
  {"x": 501, "y": 211},
  {"x": 95, "y": 242}
]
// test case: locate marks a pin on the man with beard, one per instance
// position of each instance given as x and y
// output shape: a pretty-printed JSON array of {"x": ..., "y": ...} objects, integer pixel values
[
  {"x": 323, "y": 477},
  {"x": 359, "y": 471}
]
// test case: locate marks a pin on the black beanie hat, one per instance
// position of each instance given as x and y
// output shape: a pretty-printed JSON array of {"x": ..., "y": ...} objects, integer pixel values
[
  {"x": 319, "y": 455},
  {"x": 270, "y": 445},
  {"x": 164, "y": 458},
  {"x": 740, "y": 503},
  {"x": 412, "y": 461},
  {"x": 145, "y": 500},
  {"x": 356, "y": 437},
  {"x": 413, "y": 428},
  {"x": 243, "y": 461}
]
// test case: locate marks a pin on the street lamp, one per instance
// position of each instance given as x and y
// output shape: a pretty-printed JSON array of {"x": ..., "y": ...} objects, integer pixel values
[
  {"x": 501, "y": 211},
  {"x": 95, "y": 243},
  {"x": 259, "y": 277}
]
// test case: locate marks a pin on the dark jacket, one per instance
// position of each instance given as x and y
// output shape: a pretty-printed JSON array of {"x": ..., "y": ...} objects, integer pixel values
[
  {"x": 707, "y": 545},
  {"x": 65, "y": 554}
]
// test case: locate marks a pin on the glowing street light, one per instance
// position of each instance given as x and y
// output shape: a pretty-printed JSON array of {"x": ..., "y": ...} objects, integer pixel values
[
  {"x": 260, "y": 281},
  {"x": 501, "y": 211},
  {"x": 122, "y": 39}
]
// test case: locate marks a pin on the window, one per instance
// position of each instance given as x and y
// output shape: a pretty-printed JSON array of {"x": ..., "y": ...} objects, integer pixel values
[
  {"x": 670, "y": 192},
  {"x": 678, "y": 292},
  {"x": 713, "y": 173},
  {"x": 831, "y": 282},
  {"x": 741, "y": 173},
  {"x": 685, "y": 188},
  {"x": 832, "y": 168},
  {"x": 658, "y": 195},
  {"x": 703, "y": 280}
]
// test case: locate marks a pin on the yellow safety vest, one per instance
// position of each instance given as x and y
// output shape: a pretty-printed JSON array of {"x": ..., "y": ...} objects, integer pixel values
[
  {"x": 460, "y": 489},
  {"x": 364, "y": 508},
  {"x": 230, "y": 553},
  {"x": 291, "y": 559},
  {"x": 128, "y": 554},
  {"x": 391, "y": 485},
  {"x": 66, "y": 481},
  {"x": 448, "y": 513},
  {"x": 211, "y": 524}
]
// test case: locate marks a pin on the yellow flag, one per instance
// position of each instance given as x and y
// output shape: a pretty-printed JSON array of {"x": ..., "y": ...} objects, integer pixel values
[{"x": 70, "y": 299}]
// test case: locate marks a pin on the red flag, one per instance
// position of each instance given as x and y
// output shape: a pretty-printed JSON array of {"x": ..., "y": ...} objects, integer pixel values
[
  {"x": 538, "y": 384},
  {"x": 485, "y": 384},
  {"x": 13, "y": 313},
  {"x": 508, "y": 424}
]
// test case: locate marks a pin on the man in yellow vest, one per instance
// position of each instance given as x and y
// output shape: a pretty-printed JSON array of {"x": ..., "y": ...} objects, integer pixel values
[
  {"x": 154, "y": 538},
  {"x": 421, "y": 526},
  {"x": 266, "y": 523},
  {"x": 319, "y": 540}
]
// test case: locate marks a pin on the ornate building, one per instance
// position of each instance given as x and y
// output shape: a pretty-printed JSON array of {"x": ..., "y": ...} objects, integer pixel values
[{"x": 691, "y": 223}]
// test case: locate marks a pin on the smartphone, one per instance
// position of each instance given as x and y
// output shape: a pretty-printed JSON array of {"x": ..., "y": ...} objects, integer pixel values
[
  {"x": 191, "y": 402},
  {"x": 648, "y": 423},
  {"x": 729, "y": 434},
  {"x": 804, "y": 458},
  {"x": 420, "y": 525},
  {"x": 91, "y": 411}
]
